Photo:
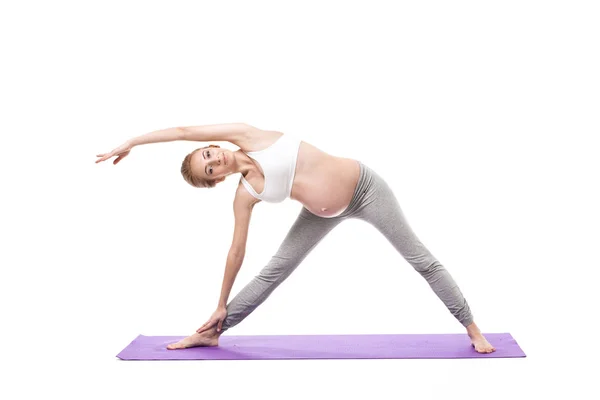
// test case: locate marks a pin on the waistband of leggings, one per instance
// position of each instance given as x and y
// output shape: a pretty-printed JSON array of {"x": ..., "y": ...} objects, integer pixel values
[{"x": 359, "y": 191}]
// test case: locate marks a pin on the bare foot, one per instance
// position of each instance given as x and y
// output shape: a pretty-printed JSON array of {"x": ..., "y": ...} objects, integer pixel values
[
  {"x": 478, "y": 341},
  {"x": 481, "y": 344},
  {"x": 205, "y": 339}
]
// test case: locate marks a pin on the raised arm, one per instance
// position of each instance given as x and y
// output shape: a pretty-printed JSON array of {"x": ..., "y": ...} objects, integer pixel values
[{"x": 234, "y": 133}]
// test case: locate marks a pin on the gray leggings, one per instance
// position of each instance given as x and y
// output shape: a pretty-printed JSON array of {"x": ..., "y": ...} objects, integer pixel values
[{"x": 374, "y": 202}]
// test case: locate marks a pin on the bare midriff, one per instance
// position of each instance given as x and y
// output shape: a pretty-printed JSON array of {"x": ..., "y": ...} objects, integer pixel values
[{"x": 324, "y": 183}]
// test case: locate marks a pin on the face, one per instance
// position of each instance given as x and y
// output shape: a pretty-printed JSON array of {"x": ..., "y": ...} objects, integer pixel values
[{"x": 213, "y": 163}]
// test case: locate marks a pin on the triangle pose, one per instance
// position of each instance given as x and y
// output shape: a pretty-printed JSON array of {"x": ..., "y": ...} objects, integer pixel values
[{"x": 275, "y": 166}]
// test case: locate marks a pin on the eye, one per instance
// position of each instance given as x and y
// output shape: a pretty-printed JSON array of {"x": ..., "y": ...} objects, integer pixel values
[
  {"x": 210, "y": 170},
  {"x": 208, "y": 152}
]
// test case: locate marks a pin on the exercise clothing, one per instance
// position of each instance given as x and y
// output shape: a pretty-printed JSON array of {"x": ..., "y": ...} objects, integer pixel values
[
  {"x": 374, "y": 202},
  {"x": 278, "y": 163}
]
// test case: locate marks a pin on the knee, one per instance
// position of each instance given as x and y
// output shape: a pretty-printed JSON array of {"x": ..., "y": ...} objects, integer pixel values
[
  {"x": 276, "y": 270},
  {"x": 267, "y": 277},
  {"x": 429, "y": 268}
]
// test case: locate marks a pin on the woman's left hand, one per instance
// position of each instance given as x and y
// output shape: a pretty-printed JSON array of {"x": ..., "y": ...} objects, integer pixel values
[
  {"x": 121, "y": 152},
  {"x": 216, "y": 319}
]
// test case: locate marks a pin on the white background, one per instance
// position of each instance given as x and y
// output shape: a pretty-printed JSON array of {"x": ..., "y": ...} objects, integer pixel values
[{"x": 482, "y": 117}]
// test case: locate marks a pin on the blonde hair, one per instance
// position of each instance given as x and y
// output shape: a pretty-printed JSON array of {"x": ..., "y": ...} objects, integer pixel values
[{"x": 186, "y": 171}]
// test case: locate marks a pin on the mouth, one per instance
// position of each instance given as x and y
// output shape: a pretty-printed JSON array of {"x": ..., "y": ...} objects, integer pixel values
[{"x": 224, "y": 158}]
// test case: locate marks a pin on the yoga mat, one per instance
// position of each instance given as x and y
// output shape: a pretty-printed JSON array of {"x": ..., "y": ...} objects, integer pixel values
[{"x": 286, "y": 347}]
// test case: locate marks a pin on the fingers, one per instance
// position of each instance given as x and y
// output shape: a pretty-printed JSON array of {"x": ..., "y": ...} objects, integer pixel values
[
  {"x": 107, "y": 156},
  {"x": 121, "y": 156},
  {"x": 104, "y": 157},
  {"x": 204, "y": 327},
  {"x": 220, "y": 326},
  {"x": 120, "y": 151}
]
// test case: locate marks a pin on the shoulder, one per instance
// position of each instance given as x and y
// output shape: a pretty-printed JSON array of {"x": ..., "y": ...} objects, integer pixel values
[
  {"x": 243, "y": 198},
  {"x": 256, "y": 139}
]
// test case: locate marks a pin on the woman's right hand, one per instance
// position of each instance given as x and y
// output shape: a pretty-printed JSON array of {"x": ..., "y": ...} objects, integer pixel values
[
  {"x": 121, "y": 152},
  {"x": 216, "y": 319}
]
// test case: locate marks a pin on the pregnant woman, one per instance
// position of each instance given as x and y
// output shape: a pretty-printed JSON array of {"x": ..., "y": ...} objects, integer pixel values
[{"x": 273, "y": 167}]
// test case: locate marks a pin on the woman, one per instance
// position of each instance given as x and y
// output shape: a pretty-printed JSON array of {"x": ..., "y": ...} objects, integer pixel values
[{"x": 275, "y": 166}]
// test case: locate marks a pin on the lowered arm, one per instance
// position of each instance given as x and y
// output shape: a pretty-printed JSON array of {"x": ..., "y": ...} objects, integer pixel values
[{"x": 242, "y": 207}]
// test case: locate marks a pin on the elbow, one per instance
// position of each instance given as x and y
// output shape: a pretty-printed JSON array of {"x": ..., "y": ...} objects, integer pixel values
[
  {"x": 237, "y": 254},
  {"x": 247, "y": 127},
  {"x": 182, "y": 132}
]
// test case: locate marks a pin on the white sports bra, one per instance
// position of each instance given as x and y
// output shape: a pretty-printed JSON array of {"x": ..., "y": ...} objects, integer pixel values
[{"x": 278, "y": 163}]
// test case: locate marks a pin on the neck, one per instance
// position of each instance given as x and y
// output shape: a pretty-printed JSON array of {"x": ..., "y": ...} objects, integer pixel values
[{"x": 243, "y": 162}]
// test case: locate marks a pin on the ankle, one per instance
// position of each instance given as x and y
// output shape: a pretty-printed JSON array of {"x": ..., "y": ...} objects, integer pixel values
[
  {"x": 473, "y": 330},
  {"x": 213, "y": 332}
]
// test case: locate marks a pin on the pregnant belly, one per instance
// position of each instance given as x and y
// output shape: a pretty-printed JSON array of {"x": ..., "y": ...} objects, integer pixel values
[{"x": 327, "y": 191}]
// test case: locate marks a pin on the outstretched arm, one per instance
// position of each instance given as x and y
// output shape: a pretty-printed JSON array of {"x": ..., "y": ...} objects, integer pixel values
[{"x": 233, "y": 133}]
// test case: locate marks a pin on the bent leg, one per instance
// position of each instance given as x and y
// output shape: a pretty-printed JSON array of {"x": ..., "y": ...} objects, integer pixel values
[
  {"x": 381, "y": 209},
  {"x": 306, "y": 232}
]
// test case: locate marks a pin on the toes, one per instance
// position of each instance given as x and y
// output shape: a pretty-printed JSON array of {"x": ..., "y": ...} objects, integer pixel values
[{"x": 484, "y": 350}]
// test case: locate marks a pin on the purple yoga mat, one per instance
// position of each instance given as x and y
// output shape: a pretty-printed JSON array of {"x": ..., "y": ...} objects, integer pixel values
[{"x": 285, "y": 347}]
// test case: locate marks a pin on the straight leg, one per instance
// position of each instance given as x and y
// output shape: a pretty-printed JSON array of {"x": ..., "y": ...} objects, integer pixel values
[
  {"x": 306, "y": 232},
  {"x": 381, "y": 209}
]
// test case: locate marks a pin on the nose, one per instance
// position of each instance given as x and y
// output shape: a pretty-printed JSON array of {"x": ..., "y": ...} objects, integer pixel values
[{"x": 217, "y": 160}]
